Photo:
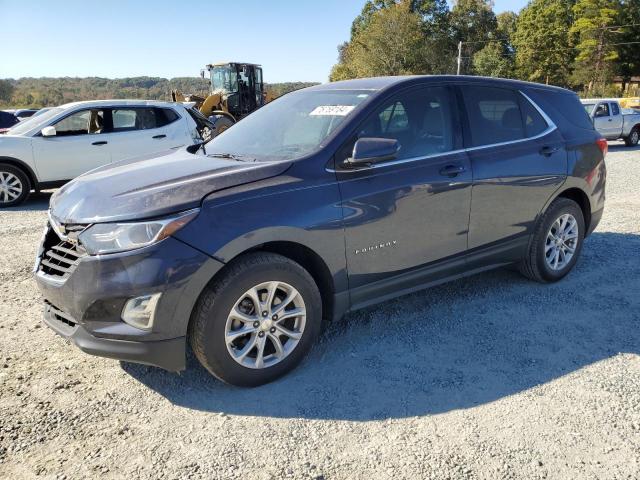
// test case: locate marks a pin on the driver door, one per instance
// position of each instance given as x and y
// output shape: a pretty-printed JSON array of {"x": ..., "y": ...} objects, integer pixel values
[
  {"x": 413, "y": 211},
  {"x": 603, "y": 121},
  {"x": 79, "y": 145}
]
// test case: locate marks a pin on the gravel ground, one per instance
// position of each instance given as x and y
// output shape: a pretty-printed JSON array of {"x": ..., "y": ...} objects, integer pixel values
[{"x": 489, "y": 377}]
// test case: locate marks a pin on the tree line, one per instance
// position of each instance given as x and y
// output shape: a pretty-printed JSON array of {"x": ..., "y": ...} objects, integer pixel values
[
  {"x": 579, "y": 44},
  {"x": 47, "y": 92}
]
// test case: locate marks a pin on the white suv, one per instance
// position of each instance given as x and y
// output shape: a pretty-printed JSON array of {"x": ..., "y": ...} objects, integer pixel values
[{"x": 50, "y": 149}]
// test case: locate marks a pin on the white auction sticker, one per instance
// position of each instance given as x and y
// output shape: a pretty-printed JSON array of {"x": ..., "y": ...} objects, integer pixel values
[{"x": 332, "y": 110}]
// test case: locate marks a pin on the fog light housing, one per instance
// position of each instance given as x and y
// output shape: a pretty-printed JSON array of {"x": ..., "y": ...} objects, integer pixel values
[{"x": 139, "y": 312}]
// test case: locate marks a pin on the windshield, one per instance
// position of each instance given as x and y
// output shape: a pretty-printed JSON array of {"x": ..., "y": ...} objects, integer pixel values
[
  {"x": 32, "y": 122},
  {"x": 290, "y": 127},
  {"x": 224, "y": 78},
  {"x": 589, "y": 107}
]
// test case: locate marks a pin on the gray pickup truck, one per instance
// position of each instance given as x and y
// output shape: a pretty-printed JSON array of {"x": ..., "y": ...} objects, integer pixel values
[{"x": 613, "y": 121}]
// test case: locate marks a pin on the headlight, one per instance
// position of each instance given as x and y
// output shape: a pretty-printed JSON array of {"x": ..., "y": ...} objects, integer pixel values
[{"x": 120, "y": 237}]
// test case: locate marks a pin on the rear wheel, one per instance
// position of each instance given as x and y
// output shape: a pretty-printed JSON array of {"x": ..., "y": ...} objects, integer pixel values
[
  {"x": 257, "y": 321},
  {"x": 633, "y": 137},
  {"x": 556, "y": 243},
  {"x": 14, "y": 186}
]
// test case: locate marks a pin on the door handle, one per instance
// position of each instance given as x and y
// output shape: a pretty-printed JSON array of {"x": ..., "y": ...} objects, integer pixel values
[
  {"x": 547, "y": 151},
  {"x": 611, "y": 119},
  {"x": 159, "y": 136},
  {"x": 102, "y": 142},
  {"x": 452, "y": 170}
]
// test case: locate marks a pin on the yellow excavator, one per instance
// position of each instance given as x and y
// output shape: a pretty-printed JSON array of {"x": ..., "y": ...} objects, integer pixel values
[{"x": 236, "y": 90}]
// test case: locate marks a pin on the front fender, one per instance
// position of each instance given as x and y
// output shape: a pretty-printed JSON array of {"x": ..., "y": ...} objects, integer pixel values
[{"x": 308, "y": 216}]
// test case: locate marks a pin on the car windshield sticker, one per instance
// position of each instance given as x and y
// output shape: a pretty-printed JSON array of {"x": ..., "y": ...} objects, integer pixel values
[{"x": 332, "y": 110}]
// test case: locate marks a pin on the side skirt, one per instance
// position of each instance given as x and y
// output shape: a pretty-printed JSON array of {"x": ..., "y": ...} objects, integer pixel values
[{"x": 436, "y": 273}]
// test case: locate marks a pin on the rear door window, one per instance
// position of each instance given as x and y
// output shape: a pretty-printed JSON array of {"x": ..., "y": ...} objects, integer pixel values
[
  {"x": 494, "y": 115},
  {"x": 615, "y": 110},
  {"x": 128, "y": 119}
]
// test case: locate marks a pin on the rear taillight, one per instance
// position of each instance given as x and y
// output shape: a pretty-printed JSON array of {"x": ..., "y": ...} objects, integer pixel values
[{"x": 603, "y": 145}]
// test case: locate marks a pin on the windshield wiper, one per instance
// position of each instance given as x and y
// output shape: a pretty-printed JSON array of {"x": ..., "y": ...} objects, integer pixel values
[{"x": 231, "y": 156}]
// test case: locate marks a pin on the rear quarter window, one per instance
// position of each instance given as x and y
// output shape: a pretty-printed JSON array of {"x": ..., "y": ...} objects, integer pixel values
[{"x": 567, "y": 106}]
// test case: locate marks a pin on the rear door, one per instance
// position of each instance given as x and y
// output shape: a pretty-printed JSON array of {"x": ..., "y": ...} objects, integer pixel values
[
  {"x": 413, "y": 210},
  {"x": 144, "y": 130},
  {"x": 518, "y": 159}
]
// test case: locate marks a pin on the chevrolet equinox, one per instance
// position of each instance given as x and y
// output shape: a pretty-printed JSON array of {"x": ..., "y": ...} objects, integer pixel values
[{"x": 327, "y": 200}]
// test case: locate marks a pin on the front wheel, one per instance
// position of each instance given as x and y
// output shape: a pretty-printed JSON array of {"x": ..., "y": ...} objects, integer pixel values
[
  {"x": 257, "y": 321},
  {"x": 221, "y": 123},
  {"x": 633, "y": 137},
  {"x": 556, "y": 243}
]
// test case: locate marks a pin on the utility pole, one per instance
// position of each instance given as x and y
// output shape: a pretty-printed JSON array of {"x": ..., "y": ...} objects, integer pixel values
[{"x": 459, "y": 56}]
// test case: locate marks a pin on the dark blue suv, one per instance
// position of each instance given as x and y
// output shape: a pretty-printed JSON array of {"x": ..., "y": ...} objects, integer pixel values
[{"x": 324, "y": 201}]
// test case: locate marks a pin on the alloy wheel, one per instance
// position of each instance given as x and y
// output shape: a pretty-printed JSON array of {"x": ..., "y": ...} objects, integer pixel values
[
  {"x": 265, "y": 325},
  {"x": 635, "y": 136},
  {"x": 561, "y": 242},
  {"x": 10, "y": 187}
]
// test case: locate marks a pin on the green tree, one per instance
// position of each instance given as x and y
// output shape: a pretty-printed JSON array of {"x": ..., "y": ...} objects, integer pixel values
[
  {"x": 492, "y": 61},
  {"x": 6, "y": 90},
  {"x": 391, "y": 43},
  {"x": 628, "y": 63},
  {"x": 436, "y": 52},
  {"x": 594, "y": 34},
  {"x": 473, "y": 23},
  {"x": 541, "y": 41},
  {"x": 496, "y": 59}
]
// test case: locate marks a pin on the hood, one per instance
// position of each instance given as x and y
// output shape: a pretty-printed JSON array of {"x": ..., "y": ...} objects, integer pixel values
[{"x": 152, "y": 186}]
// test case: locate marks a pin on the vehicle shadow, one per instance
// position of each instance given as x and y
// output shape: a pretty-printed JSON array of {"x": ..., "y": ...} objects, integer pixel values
[
  {"x": 462, "y": 344},
  {"x": 621, "y": 147},
  {"x": 37, "y": 201}
]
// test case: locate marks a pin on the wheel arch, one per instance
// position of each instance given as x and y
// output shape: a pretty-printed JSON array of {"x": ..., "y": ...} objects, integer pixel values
[
  {"x": 305, "y": 256},
  {"x": 24, "y": 167},
  {"x": 582, "y": 199},
  {"x": 311, "y": 261}
]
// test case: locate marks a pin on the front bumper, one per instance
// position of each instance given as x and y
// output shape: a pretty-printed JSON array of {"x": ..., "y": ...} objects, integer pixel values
[
  {"x": 85, "y": 306},
  {"x": 167, "y": 354}
]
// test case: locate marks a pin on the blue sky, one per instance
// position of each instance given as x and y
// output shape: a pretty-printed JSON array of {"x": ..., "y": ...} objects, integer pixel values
[{"x": 292, "y": 39}]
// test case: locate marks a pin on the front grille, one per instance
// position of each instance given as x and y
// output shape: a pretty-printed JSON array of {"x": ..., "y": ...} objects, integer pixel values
[{"x": 59, "y": 257}]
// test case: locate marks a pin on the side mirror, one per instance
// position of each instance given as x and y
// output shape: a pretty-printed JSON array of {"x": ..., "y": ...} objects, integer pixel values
[
  {"x": 368, "y": 151},
  {"x": 48, "y": 132}
]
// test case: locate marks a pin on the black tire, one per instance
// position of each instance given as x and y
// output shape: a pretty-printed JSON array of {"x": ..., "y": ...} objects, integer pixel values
[
  {"x": 534, "y": 265},
  {"x": 207, "y": 325},
  {"x": 19, "y": 178},
  {"x": 221, "y": 123},
  {"x": 633, "y": 138}
]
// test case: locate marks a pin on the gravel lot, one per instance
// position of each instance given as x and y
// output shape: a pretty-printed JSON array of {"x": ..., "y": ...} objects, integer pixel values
[{"x": 489, "y": 377}]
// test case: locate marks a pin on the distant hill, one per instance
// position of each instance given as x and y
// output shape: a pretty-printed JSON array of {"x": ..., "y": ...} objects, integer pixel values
[{"x": 45, "y": 92}]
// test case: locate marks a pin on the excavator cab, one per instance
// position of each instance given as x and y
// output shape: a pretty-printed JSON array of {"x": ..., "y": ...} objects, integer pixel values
[
  {"x": 236, "y": 90},
  {"x": 240, "y": 85}
]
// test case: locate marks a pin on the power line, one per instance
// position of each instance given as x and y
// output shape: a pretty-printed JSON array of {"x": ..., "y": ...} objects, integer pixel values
[
  {"x": 593, "y": 28},
  {"x": 566, "y": 49}
]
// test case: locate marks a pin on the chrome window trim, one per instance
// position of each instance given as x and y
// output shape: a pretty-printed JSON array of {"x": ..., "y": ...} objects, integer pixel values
[{"x": 551, "y": 126}]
